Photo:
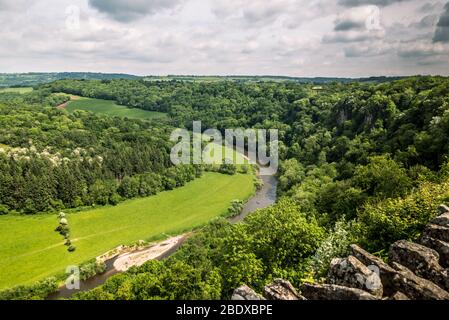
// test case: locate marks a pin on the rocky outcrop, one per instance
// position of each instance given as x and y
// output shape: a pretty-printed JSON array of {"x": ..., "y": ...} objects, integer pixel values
[
  {"x": 416, "y": 271},
  {"x": 415, "y": 287},
  {"x": 246, "y": 293},
  {"x": 334, "y": 292},
  {"x": 423, "y": 261},
  {"x": 350, "y": 272},
  {"x": 385, "y": 272},
  {"x": 399, "y": 296},
  {"x": 442, "y": 209},
  {"x": 281, "y": 290},
  {"x": 437, "y": 232},
  {"x": 439, "y": 246}
]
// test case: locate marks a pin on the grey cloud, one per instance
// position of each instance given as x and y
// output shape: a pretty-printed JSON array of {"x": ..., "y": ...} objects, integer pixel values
[
  {"x": 429, "y": 21},
  {"x": 381, "y": 3},
  {"x": 127, "y": 11},
  {"x": 442, "y": 31},
  {"x": 346, "y": 25},
  {"x": 353, "y": 36},
  {"x": 431, "y": 7}
]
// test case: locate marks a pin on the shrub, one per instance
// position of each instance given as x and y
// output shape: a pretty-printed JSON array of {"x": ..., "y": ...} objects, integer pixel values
[
  {"x": 335, "y": 245},
  {"x": 382, "y": 223},
  {"x": 3, "y": 209},
  {"x": 37, "y": 291}
]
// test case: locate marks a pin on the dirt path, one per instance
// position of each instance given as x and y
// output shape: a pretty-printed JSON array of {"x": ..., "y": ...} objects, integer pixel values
[
  {"x": 125, "y": 261},
  {"x": 64, "y": 105}
]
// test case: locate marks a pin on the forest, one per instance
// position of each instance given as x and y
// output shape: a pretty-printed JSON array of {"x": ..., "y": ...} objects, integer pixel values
[{"x": 361, "y": 162}]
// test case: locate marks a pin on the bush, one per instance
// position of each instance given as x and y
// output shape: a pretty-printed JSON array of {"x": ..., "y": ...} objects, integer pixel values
[
  {"x": 335, "y": 245},
  {"x": 387, "y": 221},
  {"x": 37, "y": 291},
  {"x": 3, "y": 210},
  {"x": 71, "y": 248}
]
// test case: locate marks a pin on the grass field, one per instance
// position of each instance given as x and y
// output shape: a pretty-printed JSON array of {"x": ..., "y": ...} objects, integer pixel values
[
  {"x": 31, "y": 250},
  {"x": 16, "y": 90},
  {"x": 111, "y": 108}
]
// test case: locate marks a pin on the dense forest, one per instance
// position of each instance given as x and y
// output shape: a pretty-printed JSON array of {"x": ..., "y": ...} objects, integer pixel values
[{"x": 361, "y": 163}]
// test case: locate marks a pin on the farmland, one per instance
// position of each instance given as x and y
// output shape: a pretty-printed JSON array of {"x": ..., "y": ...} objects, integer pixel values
[
  {"x": 111, "y": 108},
  {"x": 31, "y": 250}
]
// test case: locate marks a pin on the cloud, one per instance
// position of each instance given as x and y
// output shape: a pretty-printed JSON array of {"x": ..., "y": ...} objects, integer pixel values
[
  {"x": 442, "y": 31},
  {"x": 380, "y": 3},
  {"x": 353, "y": 25},
  {"x": 422, "y": 49},
  {"x": 131, "y": 10},
  {"x": 14, "y": 5}
]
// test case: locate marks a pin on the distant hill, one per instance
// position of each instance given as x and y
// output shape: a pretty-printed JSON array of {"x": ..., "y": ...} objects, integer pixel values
[
  {"x": 33, "y": 79},
  {"x": 240, "y": 78}
]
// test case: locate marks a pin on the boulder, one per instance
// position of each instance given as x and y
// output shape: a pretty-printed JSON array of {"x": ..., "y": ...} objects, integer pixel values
[
  {"x": 334, "y": 292},
  {"x": 439, "y": 246},
  {"x": 281, "y": 290},
  {"x": 385, "y": 272},
  {"x": 416, "y": 288},
  {"x": 423, "y": 261},
  {"x": 437, "y": 232},
  {"x": 442, "y": 220},
  {"x": 399, "y": 296},
  {"x": 350, "y": 272},
  {"x": 246, "y": 293},
  {"x": 443, "y": 209}
]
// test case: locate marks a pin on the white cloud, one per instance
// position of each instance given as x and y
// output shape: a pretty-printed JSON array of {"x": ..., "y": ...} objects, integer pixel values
[{"x": 291, "y": 37}]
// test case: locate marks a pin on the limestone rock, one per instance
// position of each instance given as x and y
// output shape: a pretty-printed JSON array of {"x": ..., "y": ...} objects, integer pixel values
[
  {"x": 442, "y": 220},
  {"x": 246, "y": 293},
  {"x": 385, "y": 272},
  {"x": 423, "y": 261},
  {"x": 334, "y": 292},
  {"x": 350, "y": 272},
  {"x": 437, "y": 232},
  {"x": 415, "y": 287},
  {"x": 399, "y": 296},
  {"x": 443, "y": 209},
  {"x": 439, "y": 246},
  {"x": 281, "y": 290}
]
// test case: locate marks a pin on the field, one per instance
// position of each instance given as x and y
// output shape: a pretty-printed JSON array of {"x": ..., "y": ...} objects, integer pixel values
[
  {"x": 31, "y": 250},
  {"x": 16, "y": 90},
  {"x": 111, "y": 108}
]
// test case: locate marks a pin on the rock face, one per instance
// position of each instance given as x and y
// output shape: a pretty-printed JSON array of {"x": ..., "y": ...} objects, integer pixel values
[
  {"x": 399, "y": 296},
  {"x": 416, "y": 272},
  {"x": 246, "y": 293},
  {"x": 439, "y": 246},
  {"x": 423, "y": 261},
  {"x": 442, "y": 220},
  {"x": 415, "y": 287},
  {"x": 437, "y": 232},
  {"x": 334, "y": 292},
  {"x": 281, "y": 290},
  {"x": 352, "y": 273},
  {"x": 442, "y": 209},
  {"x": 386, "y": 272}
]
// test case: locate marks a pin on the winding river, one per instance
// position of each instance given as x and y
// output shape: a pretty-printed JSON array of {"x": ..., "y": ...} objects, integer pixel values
[{"x": 263, "y": 198}]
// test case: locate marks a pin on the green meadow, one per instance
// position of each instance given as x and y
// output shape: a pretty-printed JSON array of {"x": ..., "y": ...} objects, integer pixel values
[
  {"x": 16, "y": 90},
  {"x": 111, "y": 108},
  {"x": 31, "y": 250}
]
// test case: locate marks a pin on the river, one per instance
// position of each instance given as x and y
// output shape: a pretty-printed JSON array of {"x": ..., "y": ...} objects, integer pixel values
[{"x": 263, "y": 198}]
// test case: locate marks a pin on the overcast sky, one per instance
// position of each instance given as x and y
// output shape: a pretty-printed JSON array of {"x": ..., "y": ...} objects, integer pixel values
[{"x": 277, "y": 37}]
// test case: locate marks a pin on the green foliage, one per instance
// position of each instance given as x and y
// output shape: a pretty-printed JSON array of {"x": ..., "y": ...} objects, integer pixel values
[
  {"x": 336, "y": 244},
  {"x": 383, "y": 223},
  {"x": 38, "y": 291},
  {"x": 278, "y": 241},
  {"x": 382, "y": 177}
]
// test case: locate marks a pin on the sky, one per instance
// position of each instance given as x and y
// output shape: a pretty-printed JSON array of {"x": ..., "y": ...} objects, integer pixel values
[{"x": 305, "y": 38}]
